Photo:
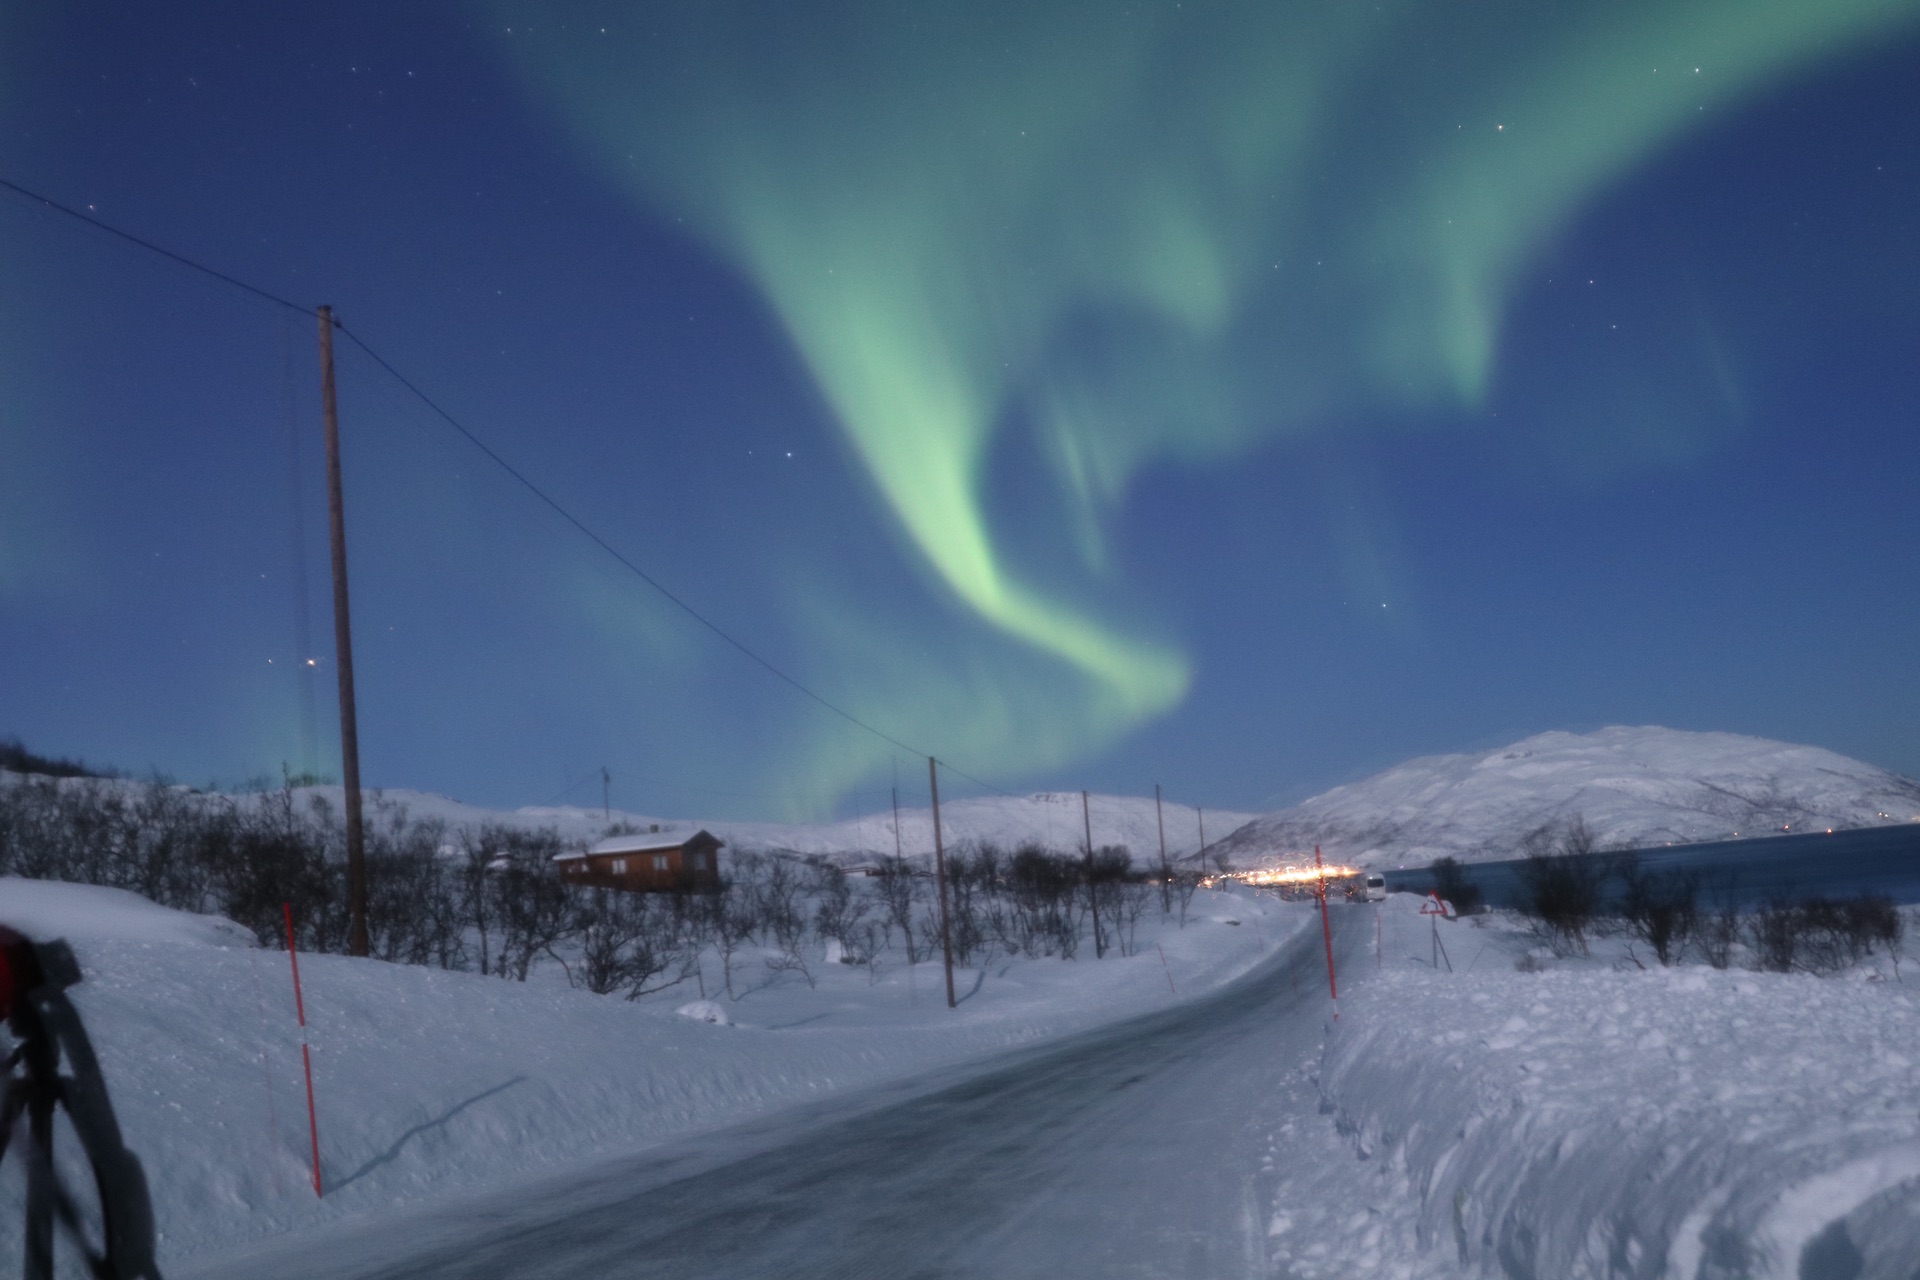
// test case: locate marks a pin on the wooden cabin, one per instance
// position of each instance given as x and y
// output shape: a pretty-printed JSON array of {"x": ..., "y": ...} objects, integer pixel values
[{"x": 646, "y": 863}]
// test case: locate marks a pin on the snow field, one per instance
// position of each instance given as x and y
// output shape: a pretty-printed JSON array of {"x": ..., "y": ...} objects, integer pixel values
[
  {"x": 431, "y": 1082},
  {"x": 1596, "y": 1121}
]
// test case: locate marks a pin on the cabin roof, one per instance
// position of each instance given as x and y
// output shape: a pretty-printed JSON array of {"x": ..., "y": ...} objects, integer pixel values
[{"x": 647, "y": 843}]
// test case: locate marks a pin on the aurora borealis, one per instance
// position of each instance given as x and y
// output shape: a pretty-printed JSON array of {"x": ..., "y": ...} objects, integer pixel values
[
  {"x": 1023, "y": 280},
  {"x": 1094, "y": 223}
]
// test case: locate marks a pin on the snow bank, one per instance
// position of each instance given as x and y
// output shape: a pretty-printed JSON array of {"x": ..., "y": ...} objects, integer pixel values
[
  {"x": 430, "y": 1082},
  {"x": 77, "y": 912},
  {"x": 1635, "y": 787},
  {"x": 1687, "y": 1122}
]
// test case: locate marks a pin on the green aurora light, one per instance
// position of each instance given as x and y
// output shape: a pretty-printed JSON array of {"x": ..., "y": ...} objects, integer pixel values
[{"x": 1169, "y": 231}]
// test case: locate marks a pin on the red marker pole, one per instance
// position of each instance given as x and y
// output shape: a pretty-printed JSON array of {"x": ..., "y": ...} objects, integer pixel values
[
  {"x": 1326, "y": 929},
  {"x": 306, "y": 1058}
]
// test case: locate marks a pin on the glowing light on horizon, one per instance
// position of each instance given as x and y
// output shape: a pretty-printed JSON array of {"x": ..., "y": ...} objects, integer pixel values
[{"x": 1283, "y": 876}]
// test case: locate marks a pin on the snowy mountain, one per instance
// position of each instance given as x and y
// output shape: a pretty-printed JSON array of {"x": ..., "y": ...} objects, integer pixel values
[{"x": 1633, "y": 786}]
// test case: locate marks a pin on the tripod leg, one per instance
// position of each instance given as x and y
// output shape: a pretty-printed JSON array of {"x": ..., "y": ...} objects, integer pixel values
[{"x": 40, "y": 1190}]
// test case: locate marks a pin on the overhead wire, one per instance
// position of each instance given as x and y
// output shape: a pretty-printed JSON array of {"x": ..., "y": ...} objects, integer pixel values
[
  {"x": 142, "y": 242},
  {"x": 267, "y": 295}
]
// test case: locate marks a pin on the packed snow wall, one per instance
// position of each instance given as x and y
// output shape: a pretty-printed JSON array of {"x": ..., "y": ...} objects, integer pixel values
[{"x": 1678, "y": 1122}]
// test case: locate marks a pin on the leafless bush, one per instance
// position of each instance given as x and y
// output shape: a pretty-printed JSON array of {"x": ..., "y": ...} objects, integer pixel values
[
  {"x": 1561, "y": 884},
  {"x": 791, "y": 960},
  {"x": 1822, "y": 935},
  {"x": 638, "y": 944},
  {"x": 1043, "y": 888},
  {"x": 838, "y": 910},
  {"x": 1185, "y": 884},
  {"x": 530, "y": 903},
  {"x": 970, "y": 886},
  {"x": 730, "y": 921},
  {"x": 776, "y": 901},
  {"x": 1773, "y": 932},
  {"x": 1131, "y": 902},
  {"x": 1661, "y": 908},
  {"x": 900, "y": 896}
]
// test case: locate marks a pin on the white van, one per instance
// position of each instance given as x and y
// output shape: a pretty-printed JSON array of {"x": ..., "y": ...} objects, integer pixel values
[{"x": 1376, "y": 886}]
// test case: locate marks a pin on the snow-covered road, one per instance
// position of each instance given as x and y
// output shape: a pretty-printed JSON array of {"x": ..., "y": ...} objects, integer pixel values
[{"x": 1134, "y": 1150}]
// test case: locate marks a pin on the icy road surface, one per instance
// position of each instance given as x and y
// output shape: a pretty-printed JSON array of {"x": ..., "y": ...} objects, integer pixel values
[{"x": 1135, "y": 1150}]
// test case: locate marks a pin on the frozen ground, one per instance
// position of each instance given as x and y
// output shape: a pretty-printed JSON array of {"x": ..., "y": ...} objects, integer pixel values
[
  {"x": 430, "y": 1082},
  {"x": 1634, "y": 787}
]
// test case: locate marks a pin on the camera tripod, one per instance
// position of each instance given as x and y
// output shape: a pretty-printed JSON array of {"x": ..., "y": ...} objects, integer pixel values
[{"x": 71, "y": 1138}]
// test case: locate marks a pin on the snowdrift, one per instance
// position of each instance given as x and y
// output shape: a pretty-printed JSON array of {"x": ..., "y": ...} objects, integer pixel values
[{"x": 1683, "y": 1122}]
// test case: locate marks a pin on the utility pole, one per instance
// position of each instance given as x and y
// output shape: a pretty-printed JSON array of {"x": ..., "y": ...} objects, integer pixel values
[
  {"x": 1093, "y": 895},
  {"x": 1166, "y": 872},
  {"x": 606, "y": 795},
  {"x": 1326, "y": 929},
  {"x": 896, "y": 823},
  {"x": 343, "y": 653},
  {"x": 1202, "y": 855},
  {"x": 939, "y": 871}
]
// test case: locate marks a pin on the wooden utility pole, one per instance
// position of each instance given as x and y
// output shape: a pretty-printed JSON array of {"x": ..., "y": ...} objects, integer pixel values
[
  {"x": 1166, "y": 872},
  {"x": 343, "y": 653},
  {"x": 1093, "y": 894},
  {"x": 896, "y": 822},
  {"x": 939, "y": 871},
  {"x": 1326, "y": 929},
  {"x": 1202, "y": 815},
  {"x": 606, "y": 795}
]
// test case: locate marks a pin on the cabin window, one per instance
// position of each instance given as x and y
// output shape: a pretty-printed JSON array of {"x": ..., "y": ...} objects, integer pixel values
[
  {"x": 659, "y": 862},
  {"x": 619, "y": 866}
]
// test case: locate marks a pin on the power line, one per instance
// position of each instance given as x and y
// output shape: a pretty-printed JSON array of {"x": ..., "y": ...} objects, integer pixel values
[
  {"x": 177, "y": 258},
  {"x": 180, "y": 259}
]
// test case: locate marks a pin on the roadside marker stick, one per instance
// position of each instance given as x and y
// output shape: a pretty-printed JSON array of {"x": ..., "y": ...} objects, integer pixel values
[
  {"x": 1326, "y": 930},
  {"x": 306, "y": 1057},
  {"x": 1169, "y": 968}
]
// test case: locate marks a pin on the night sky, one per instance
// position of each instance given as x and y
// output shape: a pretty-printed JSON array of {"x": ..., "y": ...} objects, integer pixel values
[{"x": 1242, "y": 397}]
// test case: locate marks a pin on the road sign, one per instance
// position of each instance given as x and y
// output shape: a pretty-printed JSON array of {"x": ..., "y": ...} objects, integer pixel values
[{"x": 1435, "y": 905}]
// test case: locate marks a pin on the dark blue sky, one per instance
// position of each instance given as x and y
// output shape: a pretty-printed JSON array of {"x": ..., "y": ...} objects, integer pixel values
[{"x": 1681, "y": 490}]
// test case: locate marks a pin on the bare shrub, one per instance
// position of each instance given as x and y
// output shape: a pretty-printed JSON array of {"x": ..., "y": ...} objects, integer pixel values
[
  {"x": 1042, "y": 887},
  {"x": 1561, "y": 884},
  {"x": 1773, "y": 931},
  {"x": 1661, "y": 908},
  {"x": 530, "y": 902},
  {"x": 900, "y": 896},
  {"x": 1185, "y": 884},
  {"x": 1132, "y": 901},
  {"x": 1821, "y": 935},
  {"x": 837, "y": 910}
]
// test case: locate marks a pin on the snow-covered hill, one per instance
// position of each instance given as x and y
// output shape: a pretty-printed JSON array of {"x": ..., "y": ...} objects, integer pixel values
[{"x": 1633, "y": 786}]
